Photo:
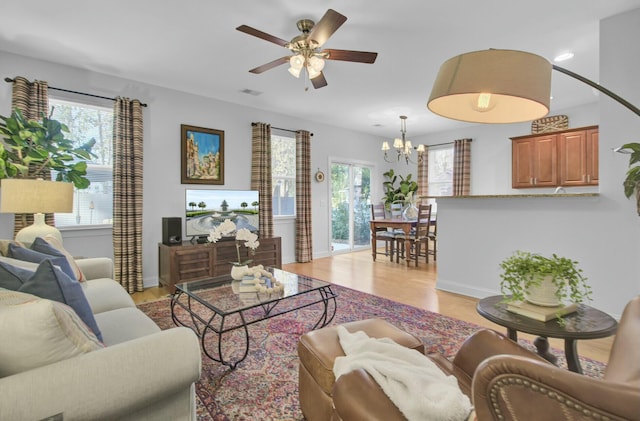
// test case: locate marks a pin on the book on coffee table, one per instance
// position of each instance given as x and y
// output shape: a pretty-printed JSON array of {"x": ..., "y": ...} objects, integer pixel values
[{"x": 541, "y": 313}]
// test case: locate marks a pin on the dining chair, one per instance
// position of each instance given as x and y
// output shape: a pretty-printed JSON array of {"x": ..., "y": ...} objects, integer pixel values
[
  {"x": 419, "y": 236},
  {"x": 382, "y": 234},
  {"x": 433, "y": 236}
]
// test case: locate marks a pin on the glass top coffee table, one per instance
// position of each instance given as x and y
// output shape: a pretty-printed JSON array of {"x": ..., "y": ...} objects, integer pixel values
[{"x": 215, "y": 306}]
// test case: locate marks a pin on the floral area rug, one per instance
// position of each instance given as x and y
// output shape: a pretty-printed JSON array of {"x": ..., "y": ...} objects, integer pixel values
[{"x": 265, "y": 385}]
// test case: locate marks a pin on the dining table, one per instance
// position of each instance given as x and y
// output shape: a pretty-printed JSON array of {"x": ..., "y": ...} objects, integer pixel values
[{"x": 394, "y": 223}]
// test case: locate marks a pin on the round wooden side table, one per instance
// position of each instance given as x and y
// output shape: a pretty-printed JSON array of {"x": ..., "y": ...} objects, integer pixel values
[{"x": 585, "y": 323}]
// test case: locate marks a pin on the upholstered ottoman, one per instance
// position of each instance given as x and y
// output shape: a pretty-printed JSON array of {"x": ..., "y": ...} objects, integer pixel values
[{"x": 318, "y": 349}]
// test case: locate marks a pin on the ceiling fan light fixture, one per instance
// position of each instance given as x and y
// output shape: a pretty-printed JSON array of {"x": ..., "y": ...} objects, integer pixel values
[
  {"x": 316, "y": 63},
  {"x": 295, "y": 72},
  {"x": 297, "y": 61},
  {"x": 313, "y": 73},
  {"x": 306, "y": 48}
]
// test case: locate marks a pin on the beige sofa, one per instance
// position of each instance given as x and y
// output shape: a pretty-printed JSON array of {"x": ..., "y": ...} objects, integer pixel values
[{"x": 142, "y": 373}]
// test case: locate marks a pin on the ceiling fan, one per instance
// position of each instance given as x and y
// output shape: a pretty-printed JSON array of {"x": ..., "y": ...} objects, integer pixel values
[{"x": 306, "y": 48}]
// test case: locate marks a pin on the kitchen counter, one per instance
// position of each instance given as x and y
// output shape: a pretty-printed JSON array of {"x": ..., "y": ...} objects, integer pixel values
[{"x": 513, "y": 196}]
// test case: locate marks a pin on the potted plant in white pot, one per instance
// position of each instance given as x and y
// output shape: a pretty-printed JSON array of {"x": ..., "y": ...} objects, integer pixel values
[
  {"x": 545, "y": 281},
  {"x": 394, "y": 194}
]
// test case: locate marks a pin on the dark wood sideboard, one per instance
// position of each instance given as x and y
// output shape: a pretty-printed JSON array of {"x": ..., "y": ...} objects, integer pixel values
[{"x": 190, "y": 262}]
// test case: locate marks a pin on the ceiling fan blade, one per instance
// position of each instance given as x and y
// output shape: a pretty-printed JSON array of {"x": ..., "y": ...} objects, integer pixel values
[
  {"x": 263, "y": 35},
  {"x": 348, "y": 55},
  {"x": 319, "y": 81},
  {"x": 328, "y": 24},
  {"x": 270, "y": 65}
]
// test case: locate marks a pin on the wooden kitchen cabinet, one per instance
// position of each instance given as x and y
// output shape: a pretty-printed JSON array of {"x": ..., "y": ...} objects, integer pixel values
[
  {"x": 578, "y": 157},
  {"x": 563, "y": 158},
  {"x": 191, "y": 262},
  {"x": 535, "y": 161}
]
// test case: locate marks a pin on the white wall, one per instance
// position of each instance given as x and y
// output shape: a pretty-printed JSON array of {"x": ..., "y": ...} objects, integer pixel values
[
  {"x": 163, "y": 192},
  {"x": 602, "y": 233}
]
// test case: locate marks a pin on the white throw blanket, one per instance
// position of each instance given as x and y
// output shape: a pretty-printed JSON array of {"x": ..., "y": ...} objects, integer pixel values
[{"x": 410, "y": 379}]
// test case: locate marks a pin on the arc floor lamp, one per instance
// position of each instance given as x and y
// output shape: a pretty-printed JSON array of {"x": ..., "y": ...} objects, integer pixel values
[{"x": 500, "y": 86}]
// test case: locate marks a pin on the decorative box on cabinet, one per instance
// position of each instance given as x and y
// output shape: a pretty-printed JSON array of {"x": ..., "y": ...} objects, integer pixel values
[
  {"x": 563, "y": 158},
  {"x": 191, "y": 262}
]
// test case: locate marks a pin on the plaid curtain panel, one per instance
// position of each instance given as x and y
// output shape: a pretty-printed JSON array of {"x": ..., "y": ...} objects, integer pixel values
[
  {"x": 304, "y": 249},
  {"x": 127, "y": 193},
  {"x": 32, "y": 99},
  {"x": 261, "y": 175},
  {"x": 461, "y": 167}
]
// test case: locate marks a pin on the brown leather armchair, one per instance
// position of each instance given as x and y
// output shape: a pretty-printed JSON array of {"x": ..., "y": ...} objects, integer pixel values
[{"x": 508, "y": 382}]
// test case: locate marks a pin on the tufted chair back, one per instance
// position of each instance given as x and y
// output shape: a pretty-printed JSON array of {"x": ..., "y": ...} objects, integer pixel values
[{"x": 507, "y": 387}]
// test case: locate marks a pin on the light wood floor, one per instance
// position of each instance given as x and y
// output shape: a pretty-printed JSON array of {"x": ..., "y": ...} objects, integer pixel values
[{"x": 412, "y": 285}]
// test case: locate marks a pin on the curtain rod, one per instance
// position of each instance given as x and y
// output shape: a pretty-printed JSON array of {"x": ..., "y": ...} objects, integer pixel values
[
  {"x": 9, "y": 80},
  {"x": 441, "y": 144},
  {"x": 286, "y": 130},
  {"x": 446, "y": 143}
]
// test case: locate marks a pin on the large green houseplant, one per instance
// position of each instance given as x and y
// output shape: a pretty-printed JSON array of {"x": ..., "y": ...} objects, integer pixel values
[
  {"x": 524, "y": 271},
  {"x": 406, "y": 188},
  {"x": 30, "y": 148},
  {"x": 632, "y": 181}
]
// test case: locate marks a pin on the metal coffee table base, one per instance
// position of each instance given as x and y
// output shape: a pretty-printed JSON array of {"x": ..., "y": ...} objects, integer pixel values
[{"x": 217, "y": 323}]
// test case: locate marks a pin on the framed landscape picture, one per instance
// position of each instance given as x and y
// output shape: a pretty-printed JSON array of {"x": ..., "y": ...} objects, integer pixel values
[{"x": 202, "y": 155}]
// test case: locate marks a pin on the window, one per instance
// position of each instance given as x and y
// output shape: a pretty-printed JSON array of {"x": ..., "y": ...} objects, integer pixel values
[
  {"x": 441, "y": 171},
  {"x": 283, "y": 175},
  {"x": 93, "y": 205}
]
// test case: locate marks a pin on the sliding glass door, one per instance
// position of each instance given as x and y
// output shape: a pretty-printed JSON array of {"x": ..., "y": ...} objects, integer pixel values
[{"x": 350, "y": 211}]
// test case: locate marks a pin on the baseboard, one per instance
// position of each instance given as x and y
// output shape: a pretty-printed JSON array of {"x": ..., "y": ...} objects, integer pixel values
[{"x": 464, "y": 289}]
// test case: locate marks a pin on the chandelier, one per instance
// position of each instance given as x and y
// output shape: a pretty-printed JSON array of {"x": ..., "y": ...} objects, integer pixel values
[{"x": 403, "y": 146}]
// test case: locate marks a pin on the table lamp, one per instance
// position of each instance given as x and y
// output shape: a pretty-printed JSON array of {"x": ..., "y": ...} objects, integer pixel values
[{"x": 39, "y": 196}]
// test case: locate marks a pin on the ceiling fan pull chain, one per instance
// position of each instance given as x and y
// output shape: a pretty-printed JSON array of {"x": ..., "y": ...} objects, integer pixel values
[{"x": 306, "y": 82}]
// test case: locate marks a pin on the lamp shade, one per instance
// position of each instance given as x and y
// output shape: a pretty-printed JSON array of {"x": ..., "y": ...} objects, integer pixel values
[
  {"x": 19, "y": 195},
  {"x": 492, "y": 86}
]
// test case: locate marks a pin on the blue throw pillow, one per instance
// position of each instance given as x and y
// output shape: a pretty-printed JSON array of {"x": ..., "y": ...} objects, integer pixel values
[
  {"x": 11, "y": 277},
  {"x": 37, "y": 255},
  {"x": 53, "y": 284}
]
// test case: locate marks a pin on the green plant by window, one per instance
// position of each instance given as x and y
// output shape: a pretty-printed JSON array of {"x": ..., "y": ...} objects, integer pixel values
[
  {"x": 30, "y": 148},
  {"x": 393, "y": 193}
]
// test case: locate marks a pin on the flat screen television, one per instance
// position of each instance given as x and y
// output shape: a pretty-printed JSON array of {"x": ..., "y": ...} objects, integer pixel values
[{"x": 205, "y": 209}]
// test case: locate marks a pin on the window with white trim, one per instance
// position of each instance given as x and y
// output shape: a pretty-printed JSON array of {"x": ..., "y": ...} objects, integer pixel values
[
  {"x": 283, "y": 175},
  {"x": 93, "y": 205},
  {"x": 441, "y": 170}
]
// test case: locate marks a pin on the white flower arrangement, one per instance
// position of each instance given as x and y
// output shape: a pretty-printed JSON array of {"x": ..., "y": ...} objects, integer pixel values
[{"x": 227, "y": 228}]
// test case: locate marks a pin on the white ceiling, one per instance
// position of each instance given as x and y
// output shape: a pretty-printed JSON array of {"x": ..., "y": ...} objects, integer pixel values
[{"x": 193, "y": 46}]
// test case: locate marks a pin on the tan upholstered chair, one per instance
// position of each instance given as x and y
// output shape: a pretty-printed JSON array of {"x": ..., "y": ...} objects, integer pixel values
[{"x": 508, "y": 382}]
